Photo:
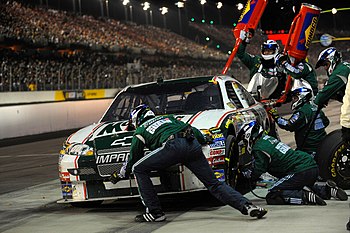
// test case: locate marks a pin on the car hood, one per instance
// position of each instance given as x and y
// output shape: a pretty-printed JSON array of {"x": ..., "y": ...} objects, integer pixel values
[{"x": 201, "y": 120}]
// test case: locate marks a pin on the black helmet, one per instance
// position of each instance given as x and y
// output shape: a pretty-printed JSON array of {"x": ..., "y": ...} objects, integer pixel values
[{"x": 140, "y": 114}]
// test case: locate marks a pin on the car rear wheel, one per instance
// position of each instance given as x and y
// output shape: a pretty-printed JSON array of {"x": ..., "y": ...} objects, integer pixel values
[{"x": 334, "y": 159}]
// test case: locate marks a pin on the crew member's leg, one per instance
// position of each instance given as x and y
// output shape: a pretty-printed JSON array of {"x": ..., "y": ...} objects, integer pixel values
[{"x": 198, "y": 164}]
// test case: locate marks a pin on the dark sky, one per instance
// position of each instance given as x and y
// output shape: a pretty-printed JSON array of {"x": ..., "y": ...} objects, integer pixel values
[{"x": 278, "y": 13}]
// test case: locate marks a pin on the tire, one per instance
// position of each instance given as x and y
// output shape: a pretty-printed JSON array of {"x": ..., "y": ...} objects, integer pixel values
[
  {"x": 233, "y": 176},
  {"x": 86, "y": 204},
  {"x": 333, "y": 159}
]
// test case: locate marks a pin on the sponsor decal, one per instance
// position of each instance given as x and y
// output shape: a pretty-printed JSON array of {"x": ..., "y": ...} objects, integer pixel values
[
  {"x": 310, "y": 31},
  {"x": 122, "y": 141},
  {"x": 66, "y": 188},
  {"x": 214, "y": 161},
  {"x": 218, "y": 160},
  {"x": 220, "y": 174},
  {"x": 94, "y": 94},
  {"x": 218, "y": 143},
  {"x": 217, "y": 136},
  {"x": 112, "y": 158},
  {"x": 217, "y": 152},
  {"x": 64, "y": 176}
]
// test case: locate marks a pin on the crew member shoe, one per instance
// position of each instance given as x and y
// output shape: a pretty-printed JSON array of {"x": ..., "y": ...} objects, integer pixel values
[
  {"x": 148, "y": 217},
  {"x": 254, "y": 211},
  {"x": 335, "y": 191},
  {"x": 311, "y": 198}
]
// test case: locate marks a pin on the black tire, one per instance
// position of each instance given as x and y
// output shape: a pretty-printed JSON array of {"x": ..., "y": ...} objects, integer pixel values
[
  {"x": 333, "y": 159},
  {"x": 231, "y": 161},
  {"x": 87, "y": 204},
  {"x": 233, "y": 176}
]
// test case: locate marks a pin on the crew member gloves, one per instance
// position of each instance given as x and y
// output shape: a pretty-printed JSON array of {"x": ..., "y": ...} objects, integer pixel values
[
  {"x": 118, "y": 175},
  {"x": 280, "y": 59},
  {"x": 273, "y": 113}
]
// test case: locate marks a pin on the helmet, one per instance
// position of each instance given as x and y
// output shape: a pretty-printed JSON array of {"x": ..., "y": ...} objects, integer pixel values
[
  {"x": 270, "y": 45},
  {"x": 249, "y": 133},
  {"x": 140, "y": 114},
  {"x": 330, "y": 55},
  {"x": 301, "y": 95}
]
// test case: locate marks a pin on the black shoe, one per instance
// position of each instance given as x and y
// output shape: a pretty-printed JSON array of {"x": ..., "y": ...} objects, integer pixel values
[
  {"x": 148, "y": 217},
  {"x": 254, "y": 211},
  {"x": 335, "y": 191},
  {"x": 311, "y": 198}
]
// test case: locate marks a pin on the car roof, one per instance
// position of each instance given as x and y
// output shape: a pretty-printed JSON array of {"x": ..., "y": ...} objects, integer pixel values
[{"x": 168, "y": 86}]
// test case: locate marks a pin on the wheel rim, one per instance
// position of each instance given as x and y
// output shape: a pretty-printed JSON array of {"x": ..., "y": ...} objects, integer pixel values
[{"x": 342, "y": 156}]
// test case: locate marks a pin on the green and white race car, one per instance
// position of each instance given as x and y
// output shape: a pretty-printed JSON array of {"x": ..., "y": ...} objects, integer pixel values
[{"x": 219, "y": 104}]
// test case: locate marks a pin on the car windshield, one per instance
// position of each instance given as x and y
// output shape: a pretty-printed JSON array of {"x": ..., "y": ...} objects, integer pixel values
[{"x": 167, "y": 98}]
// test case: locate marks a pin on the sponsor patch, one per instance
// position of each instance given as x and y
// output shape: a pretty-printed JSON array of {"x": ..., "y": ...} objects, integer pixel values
[{"x": 220, "y": 174}]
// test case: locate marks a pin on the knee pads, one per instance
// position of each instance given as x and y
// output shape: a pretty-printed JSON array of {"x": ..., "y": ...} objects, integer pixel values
[{"x": 274, "y": 198}]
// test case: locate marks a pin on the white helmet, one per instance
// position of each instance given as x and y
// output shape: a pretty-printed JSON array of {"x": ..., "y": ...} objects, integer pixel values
[
  {"x": 249, "y": 133},
  {"x": 303, "y": 95},
  {"x": 270, "y": 45},
  {"x": 330, "y": 55},
  {"x": 140, "y": 114}
]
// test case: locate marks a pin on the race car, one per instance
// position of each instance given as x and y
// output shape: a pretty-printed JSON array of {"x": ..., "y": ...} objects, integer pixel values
[{"x": 218, "y": 105}]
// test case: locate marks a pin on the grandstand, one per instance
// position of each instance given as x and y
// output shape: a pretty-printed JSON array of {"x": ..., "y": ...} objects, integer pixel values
[{"x": 48, "y": 49}]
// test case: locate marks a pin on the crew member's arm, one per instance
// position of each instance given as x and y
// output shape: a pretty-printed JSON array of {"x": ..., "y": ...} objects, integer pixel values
[
  {"x": 247, "y": 59},
  {"x": 333, "y": 85},
  {"x": 136, "y": 151},
  {"x": 261, "y": 164}
]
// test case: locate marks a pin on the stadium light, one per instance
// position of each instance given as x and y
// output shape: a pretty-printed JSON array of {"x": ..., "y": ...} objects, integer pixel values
[
  {"x": 164, "y": 11},
  {"x": 202, "y": 3},
  {"x": 218, "y": 6},
  {"x": 240, "y": 6},
  {"x": 151, "y": 16},
  {"x": 125, "y": 4},
  {"x": 145, "y": 7},
  {"x": 107, "y": 8},
  {"x": 334, "y": 11},
  {"x": 179, "y": 6},
  {"x": 101, "y": 8},
  {"x": 79, "y": 6}
]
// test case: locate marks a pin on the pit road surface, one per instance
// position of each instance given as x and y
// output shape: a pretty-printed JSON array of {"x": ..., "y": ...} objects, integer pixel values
[{"x": 29, "y": 189}]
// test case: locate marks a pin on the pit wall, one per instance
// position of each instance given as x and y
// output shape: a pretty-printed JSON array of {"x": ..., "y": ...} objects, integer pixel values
[{"x": 20, "y": 118}]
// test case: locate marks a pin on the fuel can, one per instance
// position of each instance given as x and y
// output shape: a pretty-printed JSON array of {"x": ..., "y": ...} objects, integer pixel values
[{"x": 302, "y": 31}]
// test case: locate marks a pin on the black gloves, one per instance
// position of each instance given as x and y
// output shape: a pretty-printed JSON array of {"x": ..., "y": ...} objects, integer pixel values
[
  {"x": 273, "y": 113},
  {"x": 247, "y": 173},
  {"x": 119, "y": 175},
  {"x": 280, "y": 59},
  {"x": 345, "y": 134},
  {"x": 115, "y": 177}
]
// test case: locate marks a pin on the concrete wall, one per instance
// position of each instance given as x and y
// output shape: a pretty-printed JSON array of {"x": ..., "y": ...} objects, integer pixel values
[
  {"x": 30, "y": 119},
  {"x": 11, "y": 98}
]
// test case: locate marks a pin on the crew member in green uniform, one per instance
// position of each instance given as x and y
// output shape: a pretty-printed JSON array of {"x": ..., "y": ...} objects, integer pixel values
[
  {"x": 307, "y": 137},
  {"x": 172, "y": 141},
  {"x": 296, "y": 170},
  {"x": 263, "y": 71},
  {"x": 302, "y": 70},
  {"x": 335, "y": 88}
]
